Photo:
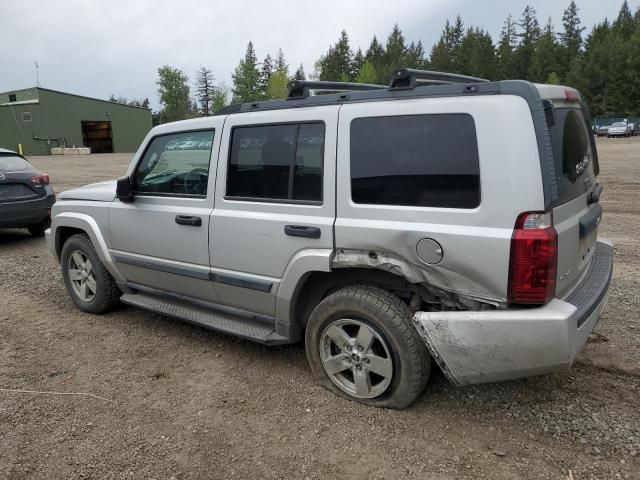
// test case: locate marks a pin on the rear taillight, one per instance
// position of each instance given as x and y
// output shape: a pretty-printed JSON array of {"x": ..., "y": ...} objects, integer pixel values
[
  {"x": 534, "y": 256},
  {"x": 42, "y": 179}
]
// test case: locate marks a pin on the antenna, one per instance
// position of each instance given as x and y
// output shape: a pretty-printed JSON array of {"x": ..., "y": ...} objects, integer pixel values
[{"x": 37, "y": 73}]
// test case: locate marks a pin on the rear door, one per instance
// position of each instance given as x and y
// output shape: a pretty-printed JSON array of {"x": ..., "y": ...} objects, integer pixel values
[
  {"x": 274, "y": 198},
  {"x": 576, "y": 213}
]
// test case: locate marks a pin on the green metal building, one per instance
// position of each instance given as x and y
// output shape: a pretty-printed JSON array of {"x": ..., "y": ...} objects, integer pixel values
[{"x": 40, "y": 119}]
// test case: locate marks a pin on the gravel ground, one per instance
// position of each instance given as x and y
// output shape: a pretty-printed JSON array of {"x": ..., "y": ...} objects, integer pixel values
[{"x": 190, "y": 403}]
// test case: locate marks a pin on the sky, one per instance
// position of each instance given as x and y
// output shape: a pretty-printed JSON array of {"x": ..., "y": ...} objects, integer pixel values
[{"x": 97, "y": 48}]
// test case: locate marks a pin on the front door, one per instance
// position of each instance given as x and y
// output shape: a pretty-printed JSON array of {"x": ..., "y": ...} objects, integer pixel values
[
  {"x": 161, "y": 239},
  {"x": 274, "y": 199}
]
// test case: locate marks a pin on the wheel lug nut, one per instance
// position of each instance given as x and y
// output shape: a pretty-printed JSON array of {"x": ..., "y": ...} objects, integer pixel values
[
  {"x": 360, "y": 348},
  {"x": 367, "y": 361}
]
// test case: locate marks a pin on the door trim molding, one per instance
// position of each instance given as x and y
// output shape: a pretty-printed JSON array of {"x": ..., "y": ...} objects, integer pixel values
[
  {"x": 183, "y": 270},
  {"x": 252, "y": 284},
  {"x": 193, "y": 272}
]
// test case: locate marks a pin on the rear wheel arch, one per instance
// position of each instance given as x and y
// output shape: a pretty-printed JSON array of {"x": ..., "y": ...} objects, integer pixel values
[{"x": 315, "y": 286}]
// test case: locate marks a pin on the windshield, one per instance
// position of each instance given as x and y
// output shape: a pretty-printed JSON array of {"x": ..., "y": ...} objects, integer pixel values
[
  {"x": 619, "y": 124},
  {"x": 12, "y": 163}
]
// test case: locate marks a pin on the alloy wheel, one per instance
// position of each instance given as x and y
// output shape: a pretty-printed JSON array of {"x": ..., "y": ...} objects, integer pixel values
[{"x": 356, "y": 358}]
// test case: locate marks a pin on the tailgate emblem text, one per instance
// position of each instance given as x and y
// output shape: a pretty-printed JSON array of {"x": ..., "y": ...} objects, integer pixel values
[{"x": 581, "y": 167}]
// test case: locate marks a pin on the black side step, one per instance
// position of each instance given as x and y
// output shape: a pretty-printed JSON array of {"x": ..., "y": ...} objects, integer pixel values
[{"x": 216, "y": 320}]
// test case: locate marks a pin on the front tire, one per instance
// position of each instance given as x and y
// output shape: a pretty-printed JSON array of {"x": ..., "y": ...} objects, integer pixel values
[
  {"x": 88, "y": 282},
  {"x": 361, "y": 345}
]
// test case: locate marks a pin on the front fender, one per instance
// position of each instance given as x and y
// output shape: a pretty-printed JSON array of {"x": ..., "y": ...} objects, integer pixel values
[{"x": 87, "y": 224}]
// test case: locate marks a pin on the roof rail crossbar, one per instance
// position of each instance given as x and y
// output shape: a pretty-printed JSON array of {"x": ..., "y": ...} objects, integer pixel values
[
  {"x": 301, "y": 88},
  {"x": 407, "y": 78}
]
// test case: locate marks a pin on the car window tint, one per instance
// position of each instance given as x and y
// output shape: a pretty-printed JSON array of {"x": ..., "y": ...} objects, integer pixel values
[
  {"x": 176, "y": 164},
  {"x": 574, "y": 153},
  {"x": 307, "y": 176},
  {"x": 415, "y": 160},
  {"x": 576, "y": 148},
  {"x": 10, "y": 163},
  {"x": 276, "y": 162}
]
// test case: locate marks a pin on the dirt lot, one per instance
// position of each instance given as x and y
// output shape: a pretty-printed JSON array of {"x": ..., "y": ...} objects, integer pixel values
[{"x": 190, "y": 403}]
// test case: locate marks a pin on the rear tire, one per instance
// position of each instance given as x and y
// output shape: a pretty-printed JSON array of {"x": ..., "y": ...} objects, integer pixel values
[
  {"x": 362, "y": 346},
  {"x": 38, "y": 229},
  {"x": 88, "y": 282}
]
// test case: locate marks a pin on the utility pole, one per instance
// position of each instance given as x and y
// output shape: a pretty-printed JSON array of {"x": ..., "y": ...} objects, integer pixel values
[{"x": 37, "y": 73}]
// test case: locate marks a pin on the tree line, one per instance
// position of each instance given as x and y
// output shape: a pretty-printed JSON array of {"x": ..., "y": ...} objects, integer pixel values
[{"x": 604, "y": 64}]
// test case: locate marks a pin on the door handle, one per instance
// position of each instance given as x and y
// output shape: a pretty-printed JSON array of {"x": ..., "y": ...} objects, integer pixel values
[
  {"x": 302, "y": 231},
  {"x": 188, "y": 220}
]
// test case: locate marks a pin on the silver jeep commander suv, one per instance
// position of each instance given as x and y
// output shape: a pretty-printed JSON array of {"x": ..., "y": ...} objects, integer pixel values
[{"x": 442, "y": 217}]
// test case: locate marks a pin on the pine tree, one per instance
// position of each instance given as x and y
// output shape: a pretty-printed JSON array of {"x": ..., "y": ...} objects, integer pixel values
[
  {"x": 570, "y": 38},
  {"x": 336, "y": 65},
  {"x": 415, "y": 56},
  {"x": 441, "y": 53},
  {"x": 476, "y": 54},
  {"x": 457, "y": 35},
  {"x": 375, "y": 56},
  {"x": 529, "y": 34},
  {"x": 246, "y": 78},
  {"x": 280, "y": 64},
  {"x": 265, "y": 75},
  {"x": 505, "y": 51},
  {"x": 624, "y": 24},
  {"x": 299, "y": 75},
  {"x": 591, "y": 74},
  {"x": 356, "y": 64},
  {"x": 395, "y": 55},
  {"x": 545, "y": 57},
  {"x": 204, "y": 90}
]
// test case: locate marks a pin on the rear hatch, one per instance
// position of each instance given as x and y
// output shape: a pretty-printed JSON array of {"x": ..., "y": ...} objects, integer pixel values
[
  {"x": 16, "y": 182},
  {"x": 576, "y": 212}
]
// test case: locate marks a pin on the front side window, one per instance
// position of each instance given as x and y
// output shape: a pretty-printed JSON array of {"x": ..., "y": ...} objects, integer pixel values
[
  {"x": 277, "y": 162},
  {"x": 176, "y": 164},
  {"x": 415, "y": 160}
]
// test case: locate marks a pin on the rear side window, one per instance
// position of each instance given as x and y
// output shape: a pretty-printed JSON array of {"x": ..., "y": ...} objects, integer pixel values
[
  {"x": 277, "y": 162},
  {"x": 574, "y": 153},
  {"x": 415, "y": 160}
]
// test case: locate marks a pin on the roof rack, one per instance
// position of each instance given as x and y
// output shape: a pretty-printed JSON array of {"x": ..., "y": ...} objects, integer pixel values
[
  {"x": 301, "y": 88},
  {"x": 407, "y": 78}
]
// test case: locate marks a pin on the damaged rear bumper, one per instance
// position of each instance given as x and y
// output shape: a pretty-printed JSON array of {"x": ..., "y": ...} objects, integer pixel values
[{"x": 493, "y": 345}]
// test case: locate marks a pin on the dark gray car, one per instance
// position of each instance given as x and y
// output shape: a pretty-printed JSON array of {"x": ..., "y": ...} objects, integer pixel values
[{"x": 25, "y": 194}]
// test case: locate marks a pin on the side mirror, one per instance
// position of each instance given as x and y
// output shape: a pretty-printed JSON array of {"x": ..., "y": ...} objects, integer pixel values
[{"x": 124, "y": 190}]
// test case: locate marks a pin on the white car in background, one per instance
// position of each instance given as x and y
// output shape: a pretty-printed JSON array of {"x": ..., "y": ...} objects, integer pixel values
[{"x": 620, "y": 129}]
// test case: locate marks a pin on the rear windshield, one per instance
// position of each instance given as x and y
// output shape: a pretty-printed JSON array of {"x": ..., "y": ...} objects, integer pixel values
[
  {"x": 12, "y": 163},
  {"x": 574, "y": 153}
]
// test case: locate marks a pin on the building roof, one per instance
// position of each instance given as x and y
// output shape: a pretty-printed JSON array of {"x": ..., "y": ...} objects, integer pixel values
[{"x": 70, "y": 94}]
